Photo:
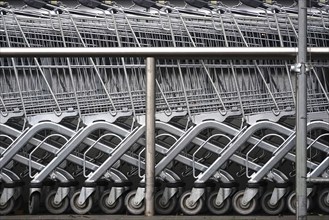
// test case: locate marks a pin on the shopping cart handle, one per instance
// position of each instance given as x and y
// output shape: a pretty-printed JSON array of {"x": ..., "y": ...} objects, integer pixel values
[
  {"x": 94, "y": 4},
  {"x": 254, "y": 3},
  {"x": 38, "y": 4},
  {"x": 90, "y": 3},
  {"x": 199, "y": 4},
  {"x": 147, "y": 4},
  {"x": 35, "y": 3}
]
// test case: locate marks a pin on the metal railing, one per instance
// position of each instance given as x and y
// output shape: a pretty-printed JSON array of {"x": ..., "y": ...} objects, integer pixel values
[{"x": 151, "y": 54}]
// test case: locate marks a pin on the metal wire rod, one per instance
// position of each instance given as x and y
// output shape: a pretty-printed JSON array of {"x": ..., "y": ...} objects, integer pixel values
[{"x": 172, "y": 52}]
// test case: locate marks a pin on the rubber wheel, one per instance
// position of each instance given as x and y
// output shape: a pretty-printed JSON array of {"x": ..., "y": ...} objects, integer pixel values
[
  {"x": 190, "y": 209},
  {"x": 34, "y": 203},
  {"x": 322, "y": 200},
  {"x": 83, "y": 208},
  {"x": 135, "y": 209},
  {"x": 291, "y": 202},
  {"x": 243, "y": 209},
  {"x": 164, "y": 209},
  {"x": 216, "y": 209},
  {"x": 53, "y": 208},
  {"x": 116, "y": 207},
  {"x": 8, "y": 207},
  {"x": 272, "y": 209}
]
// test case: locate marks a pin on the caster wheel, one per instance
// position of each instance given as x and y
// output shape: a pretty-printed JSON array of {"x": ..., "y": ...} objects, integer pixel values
[
  {"x": 108, "y": 208},
  {"x": 291, "y": 202},
  {"x": 8, "y": 207},
  {"x": 269, "y": 208},
  {"x": 54, "y": 208},
  {"x": 243, "y": 209},
  {"x": 132, "y": 207},
  {"x": 164, "y": 209},
  {"x": 188, "y": 208},
  {"x": 218, "y": 209},
  {"x": 80, "y": 209},
  {"x": 323, "y": 201},
  {"x": 34, "y": 203}
]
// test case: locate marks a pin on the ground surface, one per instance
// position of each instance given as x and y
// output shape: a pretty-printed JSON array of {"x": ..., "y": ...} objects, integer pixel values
[{"x": 130, "y": 217}]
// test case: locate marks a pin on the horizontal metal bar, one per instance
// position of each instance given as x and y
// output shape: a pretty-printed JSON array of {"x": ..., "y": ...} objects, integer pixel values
[
  {"x": 318, "y": 180},
  {"x": 166, "y": 52}
]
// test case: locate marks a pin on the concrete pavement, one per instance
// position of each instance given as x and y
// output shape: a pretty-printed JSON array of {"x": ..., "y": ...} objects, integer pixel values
[{"x": 172, "y": 217}]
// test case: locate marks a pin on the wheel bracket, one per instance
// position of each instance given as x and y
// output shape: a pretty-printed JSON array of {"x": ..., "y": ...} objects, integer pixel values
[
  {"x": 139, "y": 196},
  {"x": 248, "y": 195},
  {"x": 223, "y": 194},
  {"x": 61, "y": 193},
  {"x": 168, "y": 193},
  {"x": 114, "y": 194},
  {"x": 196, "y": 194},
  {"x": 6, "y": 195},
  {"x": 277, "y": 194},
  {"x": 84, "y": 194}
]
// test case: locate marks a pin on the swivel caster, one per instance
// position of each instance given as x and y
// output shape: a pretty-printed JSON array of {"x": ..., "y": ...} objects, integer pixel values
[
  {"x": 323, "y": 200},
  {"x": 111, "y": 208},
  {"x": 80, "y": 209},
  {"x": 132, "y": 206},
  {"x": 270, "y": 209},
  {"x": 162, "y": 208},
  {"x": 218, "y": 209},
  {"x": 8, "y": 207},
  {"x": 188, "y": 207},
  {"x": 243, "y": 209},
  {"x": 53, "y": 207},
  {"x": 291, "y": 202},
  {"x": 34, "y": 203}
]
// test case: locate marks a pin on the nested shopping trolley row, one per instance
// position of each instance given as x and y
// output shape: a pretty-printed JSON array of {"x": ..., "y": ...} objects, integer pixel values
[{"x": 72, "y": 130}]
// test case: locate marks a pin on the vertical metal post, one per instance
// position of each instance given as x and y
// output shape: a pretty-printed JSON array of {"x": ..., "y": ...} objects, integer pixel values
[
  {"x": 150, "y": 135},
  {"x": 301, "y": 117}
]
